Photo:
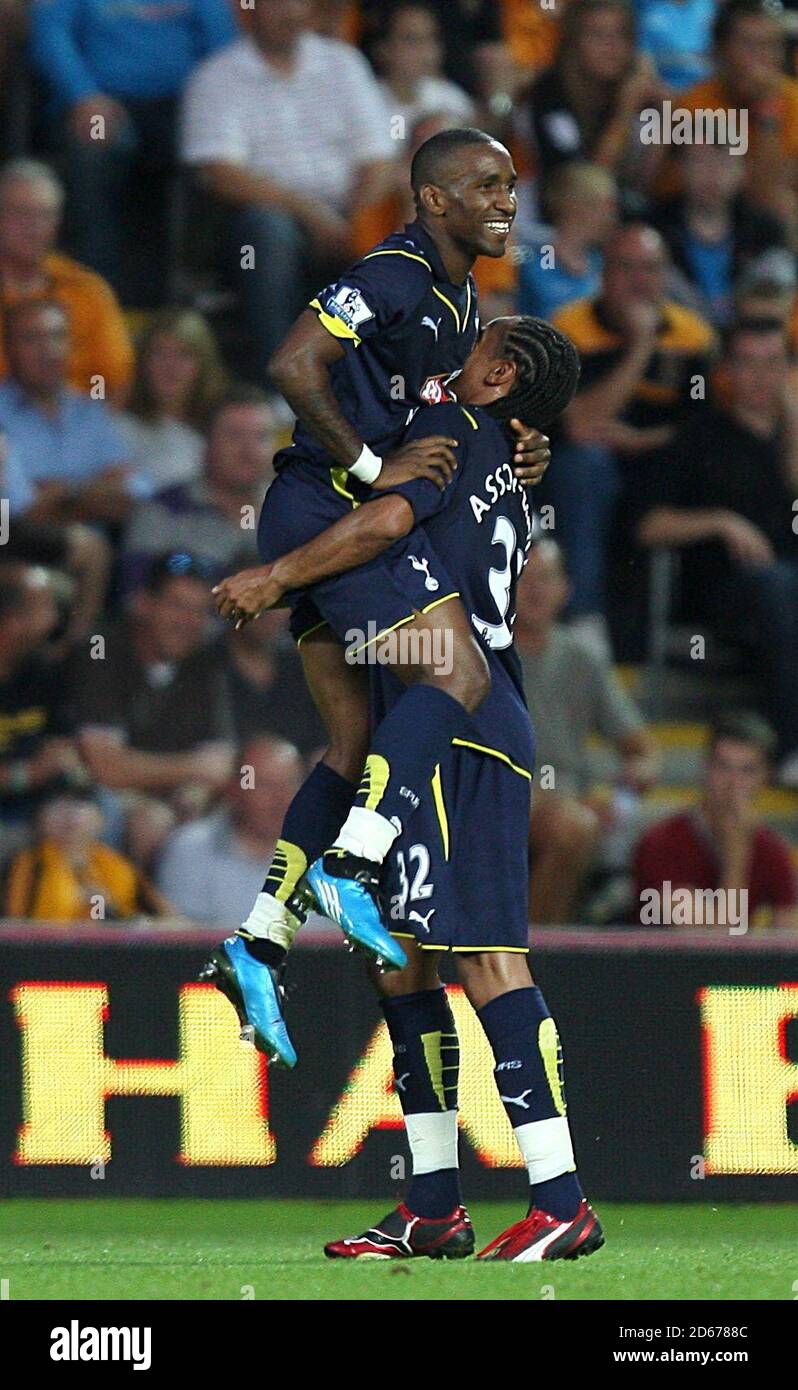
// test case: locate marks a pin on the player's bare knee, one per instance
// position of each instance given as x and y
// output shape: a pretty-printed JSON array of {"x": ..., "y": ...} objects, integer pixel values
[
  {"x": 469, "y": 680},
  {"x": 420, "y": 973},
  {"x": 487, "y": 974},
  {"x": 347, "y": 756}
]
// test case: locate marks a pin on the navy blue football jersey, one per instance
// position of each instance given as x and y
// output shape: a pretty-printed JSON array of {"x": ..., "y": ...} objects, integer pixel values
[
  {"x": 406, "y": 330},
  {"x": 481, "y": 527}
]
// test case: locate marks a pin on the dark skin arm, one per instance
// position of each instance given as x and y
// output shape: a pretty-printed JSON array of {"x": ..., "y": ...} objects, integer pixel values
[
  {"x": 354, "y": 540},
  {"x": 300, "y": 368}
]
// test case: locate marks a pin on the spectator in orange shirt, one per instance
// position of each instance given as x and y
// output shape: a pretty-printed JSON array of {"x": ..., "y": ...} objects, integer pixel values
[
  {"x": 69, "y": 876},
  {"x": 533, "y": 33},
  {"x": 31, "y": 201},
  {"x": 749, "y": 44}
]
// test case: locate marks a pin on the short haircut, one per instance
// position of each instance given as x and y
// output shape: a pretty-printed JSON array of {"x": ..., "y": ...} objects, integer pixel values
[
  {"x": 732, "y": 10},
  {"x": 743, "y": 726},
  {"x": 432, "y": 158}
]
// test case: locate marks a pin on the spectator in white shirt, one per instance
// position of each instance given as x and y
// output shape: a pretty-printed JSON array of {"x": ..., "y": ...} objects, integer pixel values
[
  {"x": 179, "y": 379},
  {"x": 290, "y": 130},
  {"x": 215, "y": 867},
  {"x": 410, "y": 59}
]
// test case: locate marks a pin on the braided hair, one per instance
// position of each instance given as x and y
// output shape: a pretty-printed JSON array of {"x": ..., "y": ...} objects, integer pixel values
[{"x": 547, "y": 378}]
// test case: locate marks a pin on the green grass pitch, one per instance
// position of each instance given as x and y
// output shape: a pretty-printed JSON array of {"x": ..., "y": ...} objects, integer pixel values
[{"x": 139, "y": 1249}]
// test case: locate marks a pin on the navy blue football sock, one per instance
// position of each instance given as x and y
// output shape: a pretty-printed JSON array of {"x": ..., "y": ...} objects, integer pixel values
[
  {"x": 316, "y": 812},
  {"x": 528, "y": 1073},
  {"x": 314, "y": 817},
  {"x": 407, "y": 745},
  {"x": 426, "y": 1065}
]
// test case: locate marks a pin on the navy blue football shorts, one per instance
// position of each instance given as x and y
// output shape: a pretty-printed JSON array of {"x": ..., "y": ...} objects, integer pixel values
[
  {"x": 364, "y": 603},
  {"x": 457, "y": 876}
]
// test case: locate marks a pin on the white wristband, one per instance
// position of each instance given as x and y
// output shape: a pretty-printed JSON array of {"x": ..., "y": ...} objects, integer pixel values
[{"x": 366, "y": 466}]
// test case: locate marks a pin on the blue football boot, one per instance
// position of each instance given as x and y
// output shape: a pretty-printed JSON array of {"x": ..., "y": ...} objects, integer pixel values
[
  {"x": 346, "y": 888},
  {"x": 255, "y": 991}
]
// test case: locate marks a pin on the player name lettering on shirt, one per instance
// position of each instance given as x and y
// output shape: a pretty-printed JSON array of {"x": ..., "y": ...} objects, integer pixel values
[{"x": 498, "y": 485}]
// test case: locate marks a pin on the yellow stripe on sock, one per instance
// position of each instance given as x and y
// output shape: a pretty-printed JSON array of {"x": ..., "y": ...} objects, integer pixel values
[
  {"x": 374, "y": 780},
  {"x": 549, "y": 1045},
  {"x": 431, "y": 1043},
  {"x": 286, "y": 869}
]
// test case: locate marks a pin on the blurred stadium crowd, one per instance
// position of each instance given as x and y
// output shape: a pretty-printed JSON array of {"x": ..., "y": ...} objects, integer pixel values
[{"x": 177, "y": 181}]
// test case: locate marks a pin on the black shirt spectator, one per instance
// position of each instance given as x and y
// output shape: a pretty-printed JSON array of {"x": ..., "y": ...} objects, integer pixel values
[
  {"x": 151, "y": 705},
  {"x": 727, "y": 496},
  {"x": 158, "y": 707},
  {"x": 267, "y": 689},
  {"x": 585, "y": 106},
  {"x": 718, "y": 465}
]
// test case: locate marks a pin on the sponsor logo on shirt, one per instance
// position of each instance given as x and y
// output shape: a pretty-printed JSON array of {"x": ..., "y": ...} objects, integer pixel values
[{"x": 434, "y": 391}]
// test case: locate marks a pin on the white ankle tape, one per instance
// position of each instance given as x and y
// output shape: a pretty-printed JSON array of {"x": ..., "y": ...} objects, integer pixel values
[
  {"x": 270, "y": 920},
  {"x": 546, "y": 1148},
  {"x": 367, "y": 834},
  {"x": 433, "y": 1141}
]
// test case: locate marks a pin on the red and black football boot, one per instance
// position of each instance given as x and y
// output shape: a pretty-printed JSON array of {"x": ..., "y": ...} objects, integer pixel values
[
  {"x": 542, "y": 1237},
  {"x": 403, "y": 1236}
]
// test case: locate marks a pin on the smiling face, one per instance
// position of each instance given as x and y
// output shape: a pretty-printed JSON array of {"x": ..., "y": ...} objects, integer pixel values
[{"x": 475, "y": 198}]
